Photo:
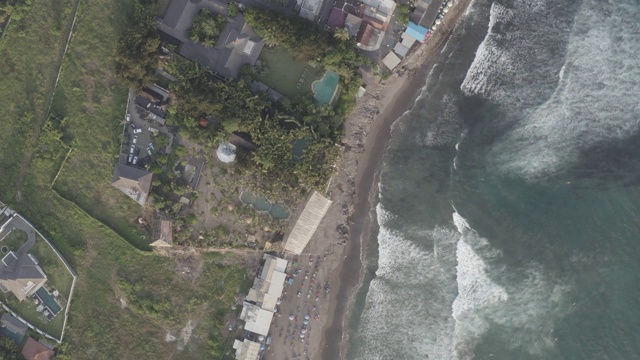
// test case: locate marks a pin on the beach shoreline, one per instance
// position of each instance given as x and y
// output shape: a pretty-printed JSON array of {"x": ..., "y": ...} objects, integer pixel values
[
  {"x": 343, "y": 234},
  {"x": 393, "y": 98}
]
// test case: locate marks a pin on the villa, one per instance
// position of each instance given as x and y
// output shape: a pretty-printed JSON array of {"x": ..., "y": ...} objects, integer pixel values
[
  {"x": 237, "y": 44},
  {"x": 20, "y": 274}
]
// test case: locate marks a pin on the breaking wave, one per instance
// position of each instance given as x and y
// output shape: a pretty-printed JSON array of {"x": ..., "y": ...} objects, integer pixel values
[
  {"x": 571, "y": 101},
  {"x": 407, "y": 306},
  {"x": 527, "y": 302}
]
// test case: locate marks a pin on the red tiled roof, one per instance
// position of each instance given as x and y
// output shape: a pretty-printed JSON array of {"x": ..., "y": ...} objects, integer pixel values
[{"x": 34, "y": 350}]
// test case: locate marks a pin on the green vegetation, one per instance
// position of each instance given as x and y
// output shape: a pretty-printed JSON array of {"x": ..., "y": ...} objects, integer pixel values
[
  {"x": 291, "y": 32},
  {"x": 92, "y": 104},
  {"x": 232, "y": 8},
  {"x": 138, "y": 54},
  {"x": 206, "y": 28},
  {"x": 27, "y": 310},
  {"x": 29, "y": 63},
  {"x": 404, "y": 10},
  {"x": 14, "y": 240},
  {"x": 87, "y": 111},
  {"x": 57, "y": 273},
  {"x": 281, "y": 71},
  {"x": 8, "y": 349}
]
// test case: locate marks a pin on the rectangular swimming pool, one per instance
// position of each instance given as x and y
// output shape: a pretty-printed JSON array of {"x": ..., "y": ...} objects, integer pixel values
[{"x": 48, "y": 300}]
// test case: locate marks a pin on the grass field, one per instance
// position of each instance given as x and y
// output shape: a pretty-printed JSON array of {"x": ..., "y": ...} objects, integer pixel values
[
  {"x": 125, "y": 301},
  {"x": 14, "y": 240},
  {"x": 285, "y": 71},
  {"x": 29, "y": 62},
  {"x": 93, "y": 106},
  {"x": 57, "y": 273}
]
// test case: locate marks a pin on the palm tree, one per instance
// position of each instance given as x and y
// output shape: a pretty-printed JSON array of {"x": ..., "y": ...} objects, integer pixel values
[{"x": 341, "y": 34}]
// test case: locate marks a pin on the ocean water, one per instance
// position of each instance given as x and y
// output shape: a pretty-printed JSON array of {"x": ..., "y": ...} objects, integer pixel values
[{"x": 510, "y": 194}]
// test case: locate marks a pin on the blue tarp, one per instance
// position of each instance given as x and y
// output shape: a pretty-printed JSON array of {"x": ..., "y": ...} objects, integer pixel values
[{"x": 416, "y": 31}]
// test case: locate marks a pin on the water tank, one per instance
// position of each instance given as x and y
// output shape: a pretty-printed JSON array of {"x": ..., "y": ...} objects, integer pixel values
[{"x": 226, "y": 152}]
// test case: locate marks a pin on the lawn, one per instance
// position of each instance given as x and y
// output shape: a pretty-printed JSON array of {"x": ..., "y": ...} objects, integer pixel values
[
  {"x": 125, "y": 301},
  {"x": 27, "y": 310},
  {"x": 14, "y": 240},
  {"x": 284, "y": 72},
  {"x": 57, "y": 273}
]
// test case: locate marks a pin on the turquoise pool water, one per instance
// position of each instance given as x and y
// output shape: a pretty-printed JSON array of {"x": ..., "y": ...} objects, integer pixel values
[
  {"x": 278, "y": 212},
  {"x": 48, "y": 300},
  {"x": 261, "y": 204},
  {"x": 325, "y": 88}
]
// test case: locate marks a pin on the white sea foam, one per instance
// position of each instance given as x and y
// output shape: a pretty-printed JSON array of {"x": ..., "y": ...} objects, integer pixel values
[
  {"x": 443, "y": 131},
  {"x": 527, "y": 302},
  {"x": 405, "y": 315},
  {"x": 558, "y": 106}
]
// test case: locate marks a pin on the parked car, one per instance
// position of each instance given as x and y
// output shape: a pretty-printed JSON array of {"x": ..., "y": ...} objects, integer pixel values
[
  {"x": 128, "y": 117},
  {"x": 130, "y": 157},
  {"x": 137, "y": 131},
  {"x": 133, "y": 147},
  {"x": 151, "y": 146},
  {"x": 135, "y": 139},
  {"x": 135, "y": 160},
  {"x": 149, "y": 151},
  {"x": 133, "y": 126}
]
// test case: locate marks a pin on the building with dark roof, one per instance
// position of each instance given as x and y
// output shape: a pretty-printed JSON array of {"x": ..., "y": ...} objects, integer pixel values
[
  {"x": 13, "y": 328},
  {"x": 20, "y": 274},
  {"x": 236, "y": 46},
  {"x": 426, "y": 12},
  {"x": 134, "y": 182}
]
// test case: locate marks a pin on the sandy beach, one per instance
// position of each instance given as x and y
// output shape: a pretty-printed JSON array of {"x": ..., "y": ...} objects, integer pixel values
[{"x": 337, "y": 245}]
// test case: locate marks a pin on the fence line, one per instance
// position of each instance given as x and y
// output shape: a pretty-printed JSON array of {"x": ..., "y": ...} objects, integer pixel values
[{"x": 60, "y": 169}]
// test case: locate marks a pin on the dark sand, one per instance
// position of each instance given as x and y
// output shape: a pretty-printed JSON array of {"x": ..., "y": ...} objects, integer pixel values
[{"x": 399, "y": 95}]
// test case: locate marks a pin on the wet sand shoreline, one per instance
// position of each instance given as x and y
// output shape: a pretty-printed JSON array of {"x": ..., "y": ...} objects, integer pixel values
[{"x": 399, "y": 95}]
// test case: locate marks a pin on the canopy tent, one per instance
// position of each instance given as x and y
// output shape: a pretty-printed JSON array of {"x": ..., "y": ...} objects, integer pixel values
[{"x": 307, "y": 223}]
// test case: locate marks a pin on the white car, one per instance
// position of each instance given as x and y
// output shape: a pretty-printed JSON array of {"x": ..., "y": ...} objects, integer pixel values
[
  {"x": 135, "y": 139},
  {"x": 137, "y": 131},
  {"x": 135, "y": 160},
  {"x": 149, "y": 151},
  {"x": 133, "y": 147},
  {"x": 130, "y": 157},
  {"x": 128, "y": 117}
]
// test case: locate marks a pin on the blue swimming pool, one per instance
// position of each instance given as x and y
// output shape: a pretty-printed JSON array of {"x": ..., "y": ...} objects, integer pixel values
[
  {"x": 325, "y": 88},
  {"x": 48, "y": 300}
]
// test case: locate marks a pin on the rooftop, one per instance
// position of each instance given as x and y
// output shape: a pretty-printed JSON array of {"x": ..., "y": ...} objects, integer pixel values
[
  {"x": 307, "y": 223},
  {"x": 246, "y": 350},
  {"x": 134, "y": 182},
  {"x": 257, "y": 320},
  {"x": 237, "y": 44},
  {"x": 12, "y": 324},
  {"x": 20, "y": 274},
  {"x": 34, "y": 350}
]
